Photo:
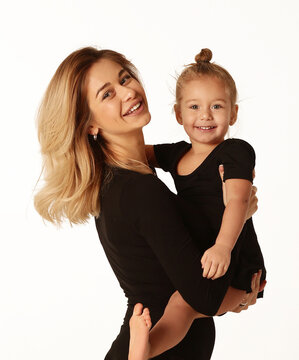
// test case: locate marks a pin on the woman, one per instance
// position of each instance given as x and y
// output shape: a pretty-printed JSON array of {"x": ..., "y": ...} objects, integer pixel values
[{"x": 106, "y": 175}]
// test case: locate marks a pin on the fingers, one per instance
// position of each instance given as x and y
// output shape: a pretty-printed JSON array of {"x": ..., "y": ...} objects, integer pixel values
[
  {"x": 262, "y": 286},
  {"x": 213, "y": 270},
  {"x": 255, "y": 287},
  {"x": 221, "y": 270},
  {"x": 203, "y": 260},
  {"x": 210, "y": 269},
  {"x": 206, "y": 268},
  {"x": 221, "y": 171}
]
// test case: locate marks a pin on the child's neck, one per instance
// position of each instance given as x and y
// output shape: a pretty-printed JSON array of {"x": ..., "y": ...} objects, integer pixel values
[{"x": 201, "y": 148}]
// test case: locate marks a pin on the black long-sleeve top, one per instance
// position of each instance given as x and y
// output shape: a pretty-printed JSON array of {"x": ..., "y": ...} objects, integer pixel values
[{"x": 150, "y": 250}]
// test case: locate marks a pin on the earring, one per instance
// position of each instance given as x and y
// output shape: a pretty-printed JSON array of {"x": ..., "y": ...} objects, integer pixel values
[{"x": 95, "y": 136}]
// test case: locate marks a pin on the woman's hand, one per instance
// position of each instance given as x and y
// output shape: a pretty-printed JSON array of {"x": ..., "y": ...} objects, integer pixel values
[
  {"x": 250, "y": 299},
  {"x": 252, "y": 206}
]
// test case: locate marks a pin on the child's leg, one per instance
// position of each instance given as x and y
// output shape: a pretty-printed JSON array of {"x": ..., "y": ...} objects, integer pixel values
[
  {"x": 140, "y": 324},
  {"x": 168, "y": 332},
  {"x": 173, "y": 325}
]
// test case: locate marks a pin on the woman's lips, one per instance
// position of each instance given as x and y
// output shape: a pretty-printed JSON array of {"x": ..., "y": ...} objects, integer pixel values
[{"x": 135, "y": 109}]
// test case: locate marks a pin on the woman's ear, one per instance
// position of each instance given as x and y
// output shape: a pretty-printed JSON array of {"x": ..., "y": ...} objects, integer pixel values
[
  {"x": 178, "y": 114},
  {"x": 234, "y": 115},
  {"x": 92, "y": 130}
]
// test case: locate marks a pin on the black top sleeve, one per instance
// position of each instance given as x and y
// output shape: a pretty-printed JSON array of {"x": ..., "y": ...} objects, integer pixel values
[
  {"x": 154, "y": 214},
  {"x": 166, "y": 154},
  {"x": 238, "y": 158}
]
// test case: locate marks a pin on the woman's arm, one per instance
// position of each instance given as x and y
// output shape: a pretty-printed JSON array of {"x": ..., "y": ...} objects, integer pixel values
[
  {"x": 154, "y": 212},
  {"x": 151, "y": 157}
]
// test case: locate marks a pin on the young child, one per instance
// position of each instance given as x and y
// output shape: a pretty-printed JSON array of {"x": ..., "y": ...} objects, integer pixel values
[{"x": 206, "y": 106}]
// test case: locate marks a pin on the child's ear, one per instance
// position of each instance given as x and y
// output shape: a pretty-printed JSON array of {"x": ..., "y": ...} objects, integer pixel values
[
  {"x": 234, "y": 115},
  {"x": 178, "y": 114}
]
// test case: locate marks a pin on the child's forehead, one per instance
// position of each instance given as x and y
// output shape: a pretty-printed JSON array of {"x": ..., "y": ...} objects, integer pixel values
[{"x": 205, "y": 87}]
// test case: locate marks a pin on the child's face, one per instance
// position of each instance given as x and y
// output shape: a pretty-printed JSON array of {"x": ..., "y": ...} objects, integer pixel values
[{"x": 205, "y": 110}]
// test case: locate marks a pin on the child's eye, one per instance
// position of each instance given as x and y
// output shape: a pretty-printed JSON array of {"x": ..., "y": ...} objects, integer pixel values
[
  {"x": 125, "y": 78},
  {"x": 194, "y": 107},
  {"x": 216, "y": 106}
]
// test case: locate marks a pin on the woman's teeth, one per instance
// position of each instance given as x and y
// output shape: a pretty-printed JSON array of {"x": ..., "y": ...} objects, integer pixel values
[{"x": 134, "y": 108}]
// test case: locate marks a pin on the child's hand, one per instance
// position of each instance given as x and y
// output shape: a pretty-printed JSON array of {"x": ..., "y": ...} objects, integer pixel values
[{"x": 215, "y": 261}]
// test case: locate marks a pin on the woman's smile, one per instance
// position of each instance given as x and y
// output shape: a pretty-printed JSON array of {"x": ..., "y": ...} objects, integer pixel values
[{"x": 135, "y": 109}]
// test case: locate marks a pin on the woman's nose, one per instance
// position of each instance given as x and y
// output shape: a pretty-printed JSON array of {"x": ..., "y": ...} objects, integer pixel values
[{"x": 126, "y": 93}]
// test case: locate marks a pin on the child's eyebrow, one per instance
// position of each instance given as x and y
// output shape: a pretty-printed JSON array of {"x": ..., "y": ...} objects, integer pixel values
[
  {"x": 221, "y": 100},
  {"x": 191, "y": 100}
]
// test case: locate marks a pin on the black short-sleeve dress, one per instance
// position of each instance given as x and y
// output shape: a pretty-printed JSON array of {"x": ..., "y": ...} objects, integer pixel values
[
  {"x": 203, "y": 189},
  {"x": 144, "y": 234}
]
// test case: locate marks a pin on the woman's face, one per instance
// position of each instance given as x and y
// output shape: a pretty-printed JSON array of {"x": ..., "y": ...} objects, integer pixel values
[{"x": 117, "y": 101}]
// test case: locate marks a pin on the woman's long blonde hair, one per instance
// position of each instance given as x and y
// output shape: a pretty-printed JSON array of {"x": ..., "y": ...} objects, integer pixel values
[{"x": 74, "y": 164}]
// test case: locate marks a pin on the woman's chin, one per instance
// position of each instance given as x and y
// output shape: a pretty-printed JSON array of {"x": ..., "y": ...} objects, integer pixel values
[{"x": 149, "y": 117}]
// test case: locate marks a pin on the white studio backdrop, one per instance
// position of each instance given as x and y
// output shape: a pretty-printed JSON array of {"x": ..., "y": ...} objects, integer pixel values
[{"x": 59, "y": 298}]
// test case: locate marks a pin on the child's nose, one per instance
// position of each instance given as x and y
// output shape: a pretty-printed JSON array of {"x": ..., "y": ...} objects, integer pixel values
[{"x": 205, "y": 114}]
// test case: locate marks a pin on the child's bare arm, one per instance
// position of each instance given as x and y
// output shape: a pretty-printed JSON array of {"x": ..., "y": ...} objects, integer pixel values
[
  {"x": 216, "y": 260},
  {"x": 150, "y": 154}
]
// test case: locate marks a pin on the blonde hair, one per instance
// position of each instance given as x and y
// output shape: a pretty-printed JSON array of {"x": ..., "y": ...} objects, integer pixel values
[
  {"x": 202, "y": 66},
  {"x": 74, "y": 164}
]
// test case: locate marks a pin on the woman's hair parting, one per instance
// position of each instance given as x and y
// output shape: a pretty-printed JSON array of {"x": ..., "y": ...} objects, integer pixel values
[
  {"x": 203, "y": 67},
  {"x": 74, "y": 164}
]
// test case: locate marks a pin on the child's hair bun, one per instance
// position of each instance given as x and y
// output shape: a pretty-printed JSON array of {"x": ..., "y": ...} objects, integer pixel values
[{"x": 204, "y": 56}]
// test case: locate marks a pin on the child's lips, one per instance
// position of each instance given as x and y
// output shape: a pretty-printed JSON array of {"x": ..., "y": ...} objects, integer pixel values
[{"x": 205, "y": 128}]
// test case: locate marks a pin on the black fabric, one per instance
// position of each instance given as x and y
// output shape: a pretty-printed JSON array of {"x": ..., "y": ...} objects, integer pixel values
[
  {"x": 142, "y": 227},
  {"x": 203, "y": 190},
  {"x": 198, "y": 344}
]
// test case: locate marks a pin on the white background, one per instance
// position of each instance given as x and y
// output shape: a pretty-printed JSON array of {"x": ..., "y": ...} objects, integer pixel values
[{"x": 59, "y": 299}]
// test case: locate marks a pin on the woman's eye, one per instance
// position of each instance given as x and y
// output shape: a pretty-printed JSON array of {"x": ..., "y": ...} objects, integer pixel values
[
  {"x": 217, "y": 106},
  {"x": 194, "y": 107},
  {"x": 125, "y": 78},
  {"x": 106, "y": 94}
]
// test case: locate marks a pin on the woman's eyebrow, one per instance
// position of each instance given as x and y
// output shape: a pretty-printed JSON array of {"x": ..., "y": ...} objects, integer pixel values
[{"x": 108, "y": 83}]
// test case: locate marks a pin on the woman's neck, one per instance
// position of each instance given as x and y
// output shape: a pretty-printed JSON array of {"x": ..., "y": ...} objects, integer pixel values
[{"x": 129, "y": 147}]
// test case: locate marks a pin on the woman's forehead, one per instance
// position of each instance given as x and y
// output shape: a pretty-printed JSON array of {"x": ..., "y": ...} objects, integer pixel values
[{"x": 102, "y": 72}]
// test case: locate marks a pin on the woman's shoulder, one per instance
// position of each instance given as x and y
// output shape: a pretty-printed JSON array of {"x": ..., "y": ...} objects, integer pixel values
[
  {"x": 136, "y": 184},
  {"x": 167, "y": 155}
]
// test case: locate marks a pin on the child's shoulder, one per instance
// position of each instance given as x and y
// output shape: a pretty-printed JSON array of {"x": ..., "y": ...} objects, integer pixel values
[
  {"x": 238, "y": 158},
  {"x": 238, "y": 145}
]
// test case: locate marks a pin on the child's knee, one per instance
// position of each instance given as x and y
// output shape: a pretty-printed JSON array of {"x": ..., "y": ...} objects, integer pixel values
[{"x": 177, "y": 301}]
